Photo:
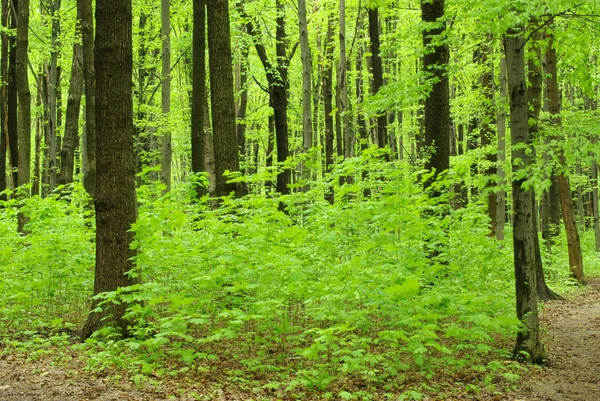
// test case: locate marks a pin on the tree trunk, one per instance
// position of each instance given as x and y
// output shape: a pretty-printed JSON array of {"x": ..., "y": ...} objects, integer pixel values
[
  {"x": 378, "y": 73},
  {"x": 71, "y": 138},
  {"x": 11, "y": 129},
  {"x": 501, "y": 122},
  {"x": 167, "y": 154},
  {"x": 4, "y": 151},
  {"x": 221, "y": 90},
  {"x": 528, "y": 345},
  {"x": 534, "y": 100},
  {"x": 342, "y": 79},
  {"x": 24, "y": 95},
  {"x": 116, "y": 205},
  {"x": 52, "y": 75},
  {"x": 562, "y": 183},
  {"x": 305, "y": 56},
  {"x": 84, "y": 14},
  {"x": 198, "y": 101},
  {"x": 328, "y": 92},
  {"x": 437, "y": 104}
]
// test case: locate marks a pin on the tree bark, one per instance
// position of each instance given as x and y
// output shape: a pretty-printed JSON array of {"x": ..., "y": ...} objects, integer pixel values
[
  {"x": 71, "y": 137},
  {"x": 342, "y": 79},
  {"x": 377, "y": 69},
  {"x": 305, "y": 56},
  {"x": 12, "y": 137},
  {"x": 116, "y": 205},
  {"x": 198, "y": 101},
  {"x": 437, "y": 104},
  {"x": 562, "y": 182},
  {"x": 328, "y": 92},
  {"x": 52, "y": 76},
  {"x": 221, "y": 90},
  {"x": 167, "y": 154},
  {"x": 501, "y": 122},
  {"x": 528, "y": 345},
  {"x": 84, "y": 14},
  {"x": 23, "y": 93}
]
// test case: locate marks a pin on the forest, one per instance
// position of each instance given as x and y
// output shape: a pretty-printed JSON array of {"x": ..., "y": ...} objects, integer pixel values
[{"x": 299, "y": 199}]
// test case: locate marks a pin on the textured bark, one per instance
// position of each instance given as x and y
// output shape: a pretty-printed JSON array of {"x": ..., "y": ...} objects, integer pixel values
[
  {"x": 305, "y": 56},
  {"x": 116, "y": 205},
  {"x": 501, "y": 122},
  {"x": 242, "y": 106},
  {"x": 534, "y": 100},
  {"x": 562, "y": 182},
  {"x": 71, "y": 137},
  {"x": 437, "y": 104},
  {"x": 528, "y": 345},
  {"x": 4, "y": 151},
  {"x": 23, "y": 93},
  {"x": 166, "y": 153},
  {"x": 84, "y": 14},
  {"x": 342, "y": 79},
  {"x": 198, "y": 100},
  {"x": 328, "y": 92},
  {"x": 53, "y": 97},
  {"x": 11, "y": 99},
  {"x": 221, "y": 91},
  {"x": 377, "y": 70}
]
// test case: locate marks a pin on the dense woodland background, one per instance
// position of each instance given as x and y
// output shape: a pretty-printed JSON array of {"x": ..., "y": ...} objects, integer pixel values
[{"x": 297, "y": 197}]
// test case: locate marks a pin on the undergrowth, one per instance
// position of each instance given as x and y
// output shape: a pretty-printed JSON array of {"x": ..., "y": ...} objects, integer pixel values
[{"x": 385, "y": 296}]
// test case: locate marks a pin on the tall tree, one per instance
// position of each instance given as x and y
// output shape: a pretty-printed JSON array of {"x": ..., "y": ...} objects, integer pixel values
[
  {"x": 53, "y": 97},
  {"x": 342, "y": 86},
  {"x": 501, "y": 123},
  {"x": 198, "y": 87},
  {"x": 10, "y": 108},
  {"x": 84, "y": 14},
  {"x": 71, "y": 136},
  {"x": 221, "y": 94},
  {"x": 437, "y": 104},
  {"x": 328, "y": 91},
  {"x": 562, "y": 182},
  {"x": 528, "y": 345},
  {"x": 116, "y": 204},
  {"x": 377, "y": 68},
  {"x": 165, "y": 172},
  {"x": 305, "y": 56},
  {"x": 23, "y": 93}
]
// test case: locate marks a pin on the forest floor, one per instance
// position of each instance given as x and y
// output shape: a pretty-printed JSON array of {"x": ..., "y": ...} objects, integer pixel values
[{"x": 572, "y": 338}]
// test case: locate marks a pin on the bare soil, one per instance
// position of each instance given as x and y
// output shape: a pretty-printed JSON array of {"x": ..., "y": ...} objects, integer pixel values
[
  {"x": 572, "y": 339},
  {"x": 573, "y": 344}
]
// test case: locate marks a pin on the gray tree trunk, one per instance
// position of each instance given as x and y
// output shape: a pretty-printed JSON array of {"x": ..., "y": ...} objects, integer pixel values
[{"x": 167, "y": 156}]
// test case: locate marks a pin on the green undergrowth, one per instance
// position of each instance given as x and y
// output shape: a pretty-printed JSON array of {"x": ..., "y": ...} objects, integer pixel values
[{"x": 385, "y": 296}]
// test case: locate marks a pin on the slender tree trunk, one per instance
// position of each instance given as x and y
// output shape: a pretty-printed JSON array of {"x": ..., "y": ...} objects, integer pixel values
[
  {"x": 562, "y": 182},
  {"x": 534, "y": 100},
  {"x": 52, "y": 75},
  {"x": 11, "y": 98},
  {"x": 501, "y": 121},
  {"x": 23, "y": 92},
  {"x": 437, "y": 104},
  {"x": 305, "y": 56},
  {"x": 377, "y": 69},
  {"x": 4, "y": 149},
  {"x": 198, "y": 100},
  {"x": 116, "y": 204},
  {"x": 167, "y": 156},
  {"x": 342, "y": 79},
  {"x": 221, "y": 90},
  {"x": 84, "y": 14},
  {"x": 528, "y": 345},
  {"x": 71, "y": 137},
  {"x": 328, "y": 92},
  {"x": 39, "y": 135}
]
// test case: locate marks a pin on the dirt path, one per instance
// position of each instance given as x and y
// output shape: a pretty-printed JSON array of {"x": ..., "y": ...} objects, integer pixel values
[
  {"x": 573, "y": 374},
  {"x": 573, "y": 343}
]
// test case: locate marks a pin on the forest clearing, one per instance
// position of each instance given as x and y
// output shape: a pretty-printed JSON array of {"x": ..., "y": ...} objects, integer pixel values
[{"x": 299, "y": 200}]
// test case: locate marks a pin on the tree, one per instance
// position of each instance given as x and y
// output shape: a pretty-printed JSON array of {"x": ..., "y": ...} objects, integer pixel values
[
  {"x": 84, "y": 14},
  {"x": 116, "y": 204},
  {"x": 528, "y": 344},
  {"x": 221, "y": 95},
  {"x": 437, "y": 104},
  {"x": 198, "y": 97},
  {"x": 71, "y": 137},
  {"x": 562, "y": 182},
  {"x": 342, "y": 87},
  {"x": 377, "y": 68},
  {"x": 305, "y": 56},
  {"x": 24, "y": 95},
  {"x": 165, "y": 172}
]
